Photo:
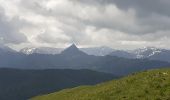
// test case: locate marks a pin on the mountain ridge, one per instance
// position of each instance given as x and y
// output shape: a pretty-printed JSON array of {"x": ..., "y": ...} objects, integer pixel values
[
  {"x": 151, "y": 53},
  {"x": 73, "y": 58},
  {"x": 97, "y": 51}
]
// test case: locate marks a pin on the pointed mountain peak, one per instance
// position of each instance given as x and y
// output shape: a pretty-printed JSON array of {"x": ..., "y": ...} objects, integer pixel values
[
  {"x": 72, "y": 50},
  {"x": 73, "y": 46}
]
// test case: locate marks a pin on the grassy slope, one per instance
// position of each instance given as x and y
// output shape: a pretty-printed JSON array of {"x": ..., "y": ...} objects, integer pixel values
[{"x": 148, "y": 85}]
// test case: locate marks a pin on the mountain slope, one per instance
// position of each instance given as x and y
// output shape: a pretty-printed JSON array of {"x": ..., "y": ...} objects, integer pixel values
[
  {"x": 151, "y": 53},
  {"x": 73, "y": 51},
  {"x": 146, "y": 52},
  {"x": 148, "y": 85},
  {"x": 22, "y": 84},
  {"x": 140, "y": 53},
  {"x": 97, "y": 51},
  {"x": 6, "y": 49},
  {"x": 124, "y": 54},
  {"x": 41, "y": 50},
  {"x": 163, "y": 56}
]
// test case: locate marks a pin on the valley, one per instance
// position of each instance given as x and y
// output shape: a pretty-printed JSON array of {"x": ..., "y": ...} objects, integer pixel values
[{"x": 18, "y": 84}]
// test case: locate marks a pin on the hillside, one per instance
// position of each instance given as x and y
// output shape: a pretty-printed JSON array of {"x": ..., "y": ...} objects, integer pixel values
[
  {"x": 18, "y": 84},
  {"x": 148, "y": 85}
]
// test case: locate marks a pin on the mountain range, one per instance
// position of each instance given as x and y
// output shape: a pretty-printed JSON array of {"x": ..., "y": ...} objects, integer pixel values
[
  {"x": 97, "y": 51},
  {"x": 141, "y": 53},
  {"x": 73, "y": 58}
]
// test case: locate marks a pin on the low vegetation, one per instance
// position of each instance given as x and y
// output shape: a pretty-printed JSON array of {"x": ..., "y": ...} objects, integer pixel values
[{"x": 147, "y": 85}]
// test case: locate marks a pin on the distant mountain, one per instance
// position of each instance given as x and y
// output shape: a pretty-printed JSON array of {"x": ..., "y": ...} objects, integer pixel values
[
  {"x": 140, "y": 53},
  {"x": 73, "y": 51},
  {"x": 164, "y": 55},
  {"x": 73, "y": 58},
  {"x": 41, "y": 50},
  {"x": 151, "y": 53},
  {"x": 5, "y": 49},
  {"x": 124, "y": 54},
  {"x": 98, "y": 51},
  {"x": 18, "y": 84},
  {"x": 148, "y": 85},
  {"x": 146, "y": 52}
]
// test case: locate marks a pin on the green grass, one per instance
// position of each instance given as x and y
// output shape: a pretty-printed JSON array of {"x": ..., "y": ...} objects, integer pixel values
[{"x": 148, "y": 85}]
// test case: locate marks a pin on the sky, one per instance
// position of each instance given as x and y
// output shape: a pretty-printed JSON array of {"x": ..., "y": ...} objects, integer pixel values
[{"x": 120, "y": 24}]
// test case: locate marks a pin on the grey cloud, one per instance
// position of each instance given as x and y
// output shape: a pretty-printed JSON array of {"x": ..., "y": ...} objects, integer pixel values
[
  {"x": 142, "y": 6},
  {"x": 151, "y": 15},
  {"x": 44, "y": 38},
  {"x": 9, "y": 31},
  {"x": 136, "y": 20},
  {"x": 145, "y": 6}
]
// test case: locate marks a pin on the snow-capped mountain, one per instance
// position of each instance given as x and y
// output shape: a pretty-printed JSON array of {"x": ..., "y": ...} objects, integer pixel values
[
  {"x": 141, "y": 53},
  {"x": 162, "y": 55},
  {"x": 73, "y": 58},
  {"x": 98, "y": 51},
  {"x": 146, "y": 52},
  {"x": 41, "y": 50},
  {"x": 151, "y": 53}
]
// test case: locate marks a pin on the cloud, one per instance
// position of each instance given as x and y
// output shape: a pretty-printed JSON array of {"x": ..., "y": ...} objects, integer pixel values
[
  {"x": 142, "y": 7},
  {"x": 115, "y": 23},
  {"x": 9, "y": 30},
  {"x": 53, "y": 36}
]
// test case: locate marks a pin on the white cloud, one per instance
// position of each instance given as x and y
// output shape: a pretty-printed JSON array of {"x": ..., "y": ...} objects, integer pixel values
[{"x": 60, "y": 22}]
